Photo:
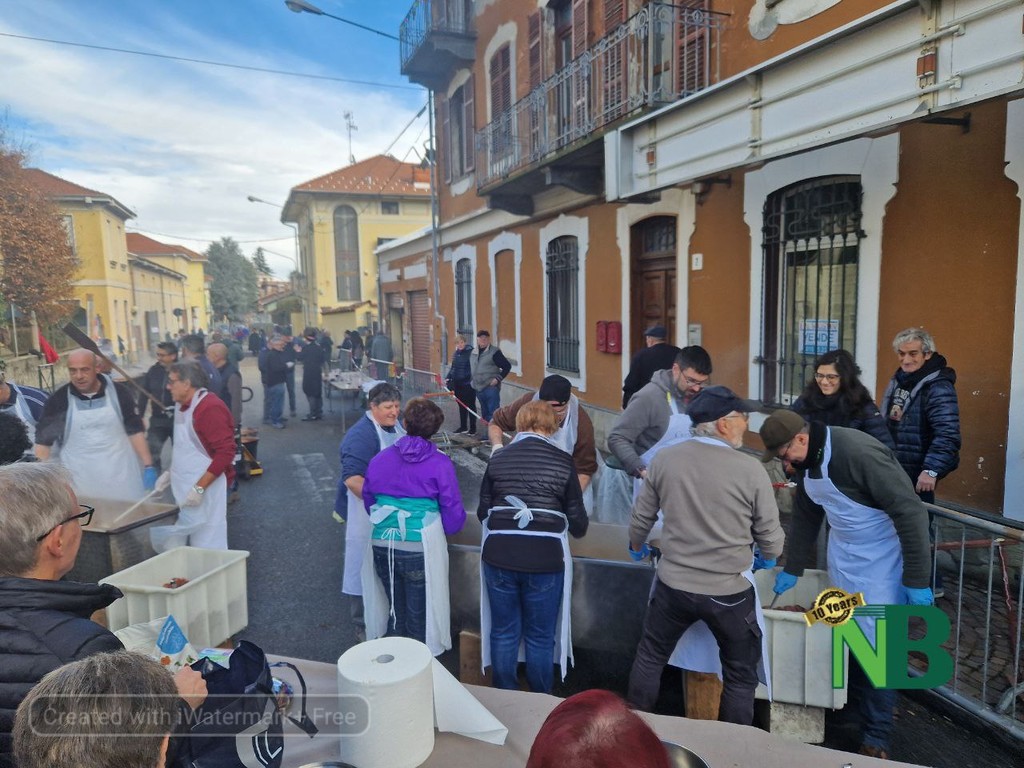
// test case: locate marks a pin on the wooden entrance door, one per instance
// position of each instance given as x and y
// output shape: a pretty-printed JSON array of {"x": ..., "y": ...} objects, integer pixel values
[
  {"x": 653, "y": 279},
  {"x": 419, "y": 322}
]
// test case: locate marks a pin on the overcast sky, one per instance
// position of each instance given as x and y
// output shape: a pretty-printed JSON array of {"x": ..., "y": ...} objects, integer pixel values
[{"x": 183, "y": 144}]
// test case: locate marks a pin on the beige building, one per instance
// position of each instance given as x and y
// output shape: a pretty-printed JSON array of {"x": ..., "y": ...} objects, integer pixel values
[
  {"x": 342, "y": 218},
  {"x": 194, "y": 298}
]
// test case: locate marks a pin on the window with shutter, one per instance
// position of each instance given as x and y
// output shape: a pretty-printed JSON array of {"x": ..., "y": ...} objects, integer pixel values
[
  {"x": 613, "y": 87},
  {"x": 346, "y": 253},
  {"x": 533, "y": 38},
  {"x": 501, "y": 100},
  {"x": 580, "y": 11},
  {"x": 693, "y": 46},
  {"x": 469, "y": 124},
  {"x": 446, "y": 137}
]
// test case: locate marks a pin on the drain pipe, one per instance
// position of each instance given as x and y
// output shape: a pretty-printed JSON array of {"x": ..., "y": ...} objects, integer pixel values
[{"x": 434, "y": 235}]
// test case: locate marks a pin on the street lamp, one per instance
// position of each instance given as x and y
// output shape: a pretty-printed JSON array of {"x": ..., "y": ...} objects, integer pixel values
[
  {"x": 301, "y": 6},
  {"x": 297, "y": 258}
]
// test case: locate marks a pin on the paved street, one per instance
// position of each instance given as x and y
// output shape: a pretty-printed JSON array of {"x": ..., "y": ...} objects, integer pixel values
[{"x": 284, "y": 520}]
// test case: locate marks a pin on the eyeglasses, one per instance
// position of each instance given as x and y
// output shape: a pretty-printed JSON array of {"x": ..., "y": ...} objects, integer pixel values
[
  {"x": 738, "y": 415},
  {"x": 85, "y": 516},
  {"x": 826, "y": 377},
  {"x": 783, "y": 450},
  {"x": 699, "y": 383}
]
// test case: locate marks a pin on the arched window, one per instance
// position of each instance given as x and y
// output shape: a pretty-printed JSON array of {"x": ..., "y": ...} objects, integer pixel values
[
  {"x": 346, "y": 253},
  {"x": 563, "y": 336},
  {"x": 811, "y": 242},
  {"x": 464, "y": 299}
]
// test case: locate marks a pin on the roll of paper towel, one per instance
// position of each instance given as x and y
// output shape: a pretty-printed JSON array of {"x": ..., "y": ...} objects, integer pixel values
[{"x": 394, "y": 675}]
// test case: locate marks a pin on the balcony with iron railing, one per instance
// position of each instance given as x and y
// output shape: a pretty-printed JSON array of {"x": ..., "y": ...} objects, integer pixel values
[
  {"x": 661, "y": 54},
  {"x": 435, "y": 38}
]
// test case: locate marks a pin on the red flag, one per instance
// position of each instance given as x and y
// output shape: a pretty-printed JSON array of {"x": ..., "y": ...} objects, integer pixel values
[{"x": 48, "y": 351}]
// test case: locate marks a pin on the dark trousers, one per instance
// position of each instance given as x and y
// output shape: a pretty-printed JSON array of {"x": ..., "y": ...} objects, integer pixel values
[
  {"x": 410, "y": 591},
  {"x": 874, "y": 707},
  {"x": 466, "y": 394},
  {"x": 289, "y": 382},
  {"x": 316, "y": 405},
  {"x": 732, "y": 619},
  {"x": 159, "y": 432}
]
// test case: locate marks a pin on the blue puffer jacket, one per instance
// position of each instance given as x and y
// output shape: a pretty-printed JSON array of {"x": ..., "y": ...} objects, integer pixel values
[
  {"x": 460, "y": 372},
  {"x": 927, "y": 435}
]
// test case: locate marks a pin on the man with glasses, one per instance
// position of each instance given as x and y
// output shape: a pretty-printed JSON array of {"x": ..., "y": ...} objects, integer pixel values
[
  {"x": 161, "y": 425},
  {"x": 45, "y": 621},
  {"x": 878, "y": 535},
  {"x": 717, "y": 503},
  {"x": 575, "y": 434},
  {"x": 656, "y": 415}
]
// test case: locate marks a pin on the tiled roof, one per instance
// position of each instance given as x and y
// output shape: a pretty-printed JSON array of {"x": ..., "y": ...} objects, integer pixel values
[
  {"x": 380, "y": 175},
  {"x": 146, "y": 246},
  {"x": 55, "y": 186}
]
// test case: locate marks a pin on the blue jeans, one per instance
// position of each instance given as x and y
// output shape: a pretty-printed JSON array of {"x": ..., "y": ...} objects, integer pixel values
[
  {"x": 490, "y": 401},
  {"x": 410, "y": 592},
  {"x": 524, "y": 606},
  {"x": 275, "y": 402}
]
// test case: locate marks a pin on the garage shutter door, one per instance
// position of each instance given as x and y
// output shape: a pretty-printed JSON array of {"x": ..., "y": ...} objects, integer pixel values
[{"x": 419, "y": 322}]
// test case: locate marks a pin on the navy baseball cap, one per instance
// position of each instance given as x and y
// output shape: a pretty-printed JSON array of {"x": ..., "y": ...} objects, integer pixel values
[
  {"x": 657, "y": 332},
  {"x": 712, "y": 403}
]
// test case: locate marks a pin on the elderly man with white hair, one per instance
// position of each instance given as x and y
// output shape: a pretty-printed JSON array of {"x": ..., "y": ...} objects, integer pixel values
[
  {"x": 718, "y": 504},
  {"x": 100, "y": 435}
]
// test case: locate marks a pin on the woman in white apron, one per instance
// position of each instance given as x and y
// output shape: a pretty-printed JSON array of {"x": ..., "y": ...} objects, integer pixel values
[
  {"x": 526, "y": 568},
  {"x": 413, "y": 496},
  {"x": 202, "y": 515},
  {"x": 96, "y": 449}
]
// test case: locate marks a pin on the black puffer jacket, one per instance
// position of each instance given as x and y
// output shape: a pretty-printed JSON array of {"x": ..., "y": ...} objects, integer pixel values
[
  {"x": 460, "y": 372},
  {"x": 544, "y": 477},
  {"x": 44, "y": 625},
  {"x": 927, "y": 432}
]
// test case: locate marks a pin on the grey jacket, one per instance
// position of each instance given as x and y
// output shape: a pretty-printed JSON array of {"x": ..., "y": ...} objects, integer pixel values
[
  {"x": 486, "y": 365},
  {"x": 644, "y": 421}
]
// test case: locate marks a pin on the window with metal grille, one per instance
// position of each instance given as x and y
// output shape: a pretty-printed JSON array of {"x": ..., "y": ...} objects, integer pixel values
[
  {"x": 464, "y": 298},
  {"x": 346, "y": 253},
  {"x": 563, "y": 304},
  {"x": 811, "y": 244}
]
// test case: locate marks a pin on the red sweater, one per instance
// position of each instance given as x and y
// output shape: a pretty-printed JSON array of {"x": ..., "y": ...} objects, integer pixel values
[{"x": 215, "y": 428}]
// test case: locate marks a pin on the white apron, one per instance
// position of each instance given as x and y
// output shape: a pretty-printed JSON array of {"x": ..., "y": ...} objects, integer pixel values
[
  {"x": 205, "y": 525},
  {"x": 565, "y": 439},
  {"x": 357, "y": 526},
  {"x": 376, "y": 601},
  {"x": 679, "y": 431},
  {"x": 562, "y": 652},
  {"x": 697, "y": 649},
  {"x": 96, "y": 450},
  {"x": 22, "y": 411},
  {"x": 864, "y": 553}
]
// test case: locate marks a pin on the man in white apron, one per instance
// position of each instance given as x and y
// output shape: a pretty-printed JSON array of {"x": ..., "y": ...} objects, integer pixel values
[
  {"x": 202, "y": 463},
  {"x": 657, "y": 413},
  {"x": 375, "y": 431},
  {"x": 717, "y": 503},
  {"x": 101, "y": 436},
  {"x": 878, "y": 535},
  {"x": 575, "y": 433}
]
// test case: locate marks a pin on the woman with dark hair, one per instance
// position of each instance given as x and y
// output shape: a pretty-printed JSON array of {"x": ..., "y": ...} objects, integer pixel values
[
  {"x": 530, "y": 499},
  {"x": 412, "y": 496},
  {"x": 835, "y": 397},
  {"x": 596, "y": 729}
]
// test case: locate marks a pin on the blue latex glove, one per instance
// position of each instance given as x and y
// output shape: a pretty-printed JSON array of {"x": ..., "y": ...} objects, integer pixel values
[
  {"x": 149, "y": 478},
  {"x": 645, "y": 551},
  {"x": 913, "y": 596},
  {"x": 784, "y": 581},
  {"x": 761, "y": 564}
]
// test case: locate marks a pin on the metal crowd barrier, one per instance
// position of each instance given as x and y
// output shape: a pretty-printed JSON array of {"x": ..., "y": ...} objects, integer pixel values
[{"x": 980, "y": 559}]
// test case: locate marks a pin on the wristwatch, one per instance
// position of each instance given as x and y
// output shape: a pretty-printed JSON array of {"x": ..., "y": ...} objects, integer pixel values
[
  {"x": 199, "y": 489},
  {"x": 931, "y": 473}
]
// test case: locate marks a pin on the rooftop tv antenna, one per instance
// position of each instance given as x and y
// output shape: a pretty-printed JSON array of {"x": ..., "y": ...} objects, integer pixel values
[{"x": 350, "y": 126}]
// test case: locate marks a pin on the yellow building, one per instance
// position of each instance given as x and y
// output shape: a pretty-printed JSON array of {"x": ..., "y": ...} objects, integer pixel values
[
  {"x": 342, "y": 218},
  {"x": 194, "y": 299},
  {"x": 96, "y": 228}
]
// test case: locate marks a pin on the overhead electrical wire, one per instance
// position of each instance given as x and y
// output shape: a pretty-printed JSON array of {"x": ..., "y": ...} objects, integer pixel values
[{"x": 207, "y": 62}]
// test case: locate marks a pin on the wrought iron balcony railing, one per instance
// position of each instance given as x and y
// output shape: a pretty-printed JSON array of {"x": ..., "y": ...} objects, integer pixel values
[
  {"x": 432, "y": 16},
  {"x": 661, "y": 54}
]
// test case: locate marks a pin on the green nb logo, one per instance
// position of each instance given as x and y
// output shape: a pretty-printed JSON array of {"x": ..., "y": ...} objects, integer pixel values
[{"x": 885, "y": 663}]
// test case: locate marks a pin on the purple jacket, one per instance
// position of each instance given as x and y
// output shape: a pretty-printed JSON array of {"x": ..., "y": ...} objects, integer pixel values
[{"x": 414, "y": 468}]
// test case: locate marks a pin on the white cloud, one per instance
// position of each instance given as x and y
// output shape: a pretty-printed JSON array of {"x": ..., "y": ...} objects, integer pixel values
[{"x": 184, "y": 144}]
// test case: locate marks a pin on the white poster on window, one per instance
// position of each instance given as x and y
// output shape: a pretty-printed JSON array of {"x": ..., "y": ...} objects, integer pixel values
[{"x": 818, "y": 336}]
